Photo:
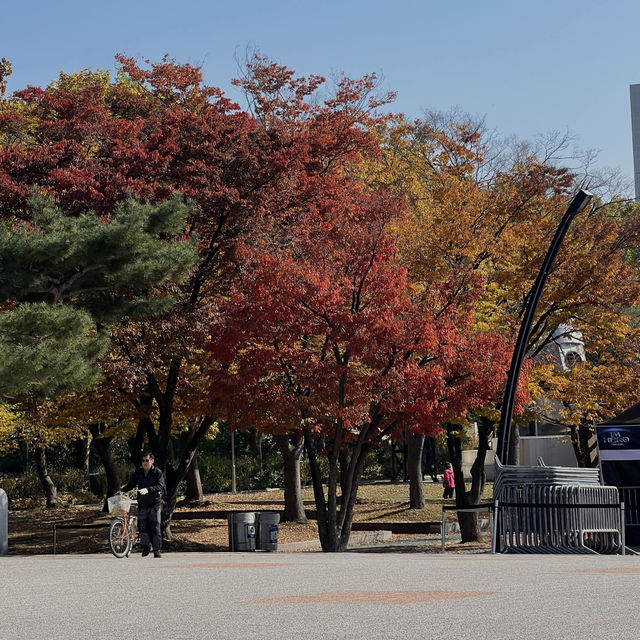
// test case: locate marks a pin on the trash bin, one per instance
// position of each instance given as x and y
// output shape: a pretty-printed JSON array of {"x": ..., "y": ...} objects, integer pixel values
[
  {"x": 4, "y": 522},
  {"x": 242, "y": 531},
  {"x": 267, "y": 530}
]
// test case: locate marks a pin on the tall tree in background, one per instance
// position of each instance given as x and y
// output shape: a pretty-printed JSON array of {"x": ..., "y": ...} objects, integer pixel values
[
  {"x": 580, "y": 394},
  {"x": 66, "y": 281},
  {"x": 87, "y": 141},
  {"x": 325, "y": 329},
  {"x": 446, "y": 241},
  {"x": 481, "y": 210}
]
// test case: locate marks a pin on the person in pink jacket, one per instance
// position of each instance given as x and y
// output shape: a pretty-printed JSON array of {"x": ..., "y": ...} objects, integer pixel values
[{"x": 447, "y": 481}]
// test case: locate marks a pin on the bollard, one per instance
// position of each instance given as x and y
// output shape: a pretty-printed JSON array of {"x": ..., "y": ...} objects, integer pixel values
[
  {"x": 623, "y": 542},
  {"x": 4, "y": 522},
  {"x": 494, "y": 533}
]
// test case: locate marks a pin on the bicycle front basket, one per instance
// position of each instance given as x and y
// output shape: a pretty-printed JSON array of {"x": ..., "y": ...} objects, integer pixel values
[{"x": 119, "y": 504}]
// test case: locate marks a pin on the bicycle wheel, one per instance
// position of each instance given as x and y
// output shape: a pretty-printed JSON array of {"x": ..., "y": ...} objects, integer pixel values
[{"x": 119, "y": 538}]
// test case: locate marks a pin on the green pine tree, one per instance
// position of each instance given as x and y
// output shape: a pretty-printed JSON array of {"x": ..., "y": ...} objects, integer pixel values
[{"x": 73, "y": 277}]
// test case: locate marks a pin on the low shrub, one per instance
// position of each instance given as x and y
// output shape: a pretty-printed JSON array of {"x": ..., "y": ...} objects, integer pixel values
[
  {"x": 372, "y": 467},
  {"x": 215, "y": 473},
  {"x": 85, "y": 497},
  {"x": 305, "y": 470},
  {"x": 271, "y": 475},
  {"x": 21, "y": 486},
  {"x": 71, "y": 481}
]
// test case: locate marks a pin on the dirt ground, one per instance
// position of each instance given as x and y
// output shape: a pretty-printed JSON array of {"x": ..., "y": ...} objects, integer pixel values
[{"x": 31, "y": 531}]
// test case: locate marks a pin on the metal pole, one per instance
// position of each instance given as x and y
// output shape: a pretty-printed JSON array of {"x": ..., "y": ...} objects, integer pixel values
[
  {"x": 495, "y": 527},
  {"x": 579, "y": 202},
  {"x": 233, "y": 463},
  {"x": 444, "y": 527},
  {"x": 622, "y": 536}
]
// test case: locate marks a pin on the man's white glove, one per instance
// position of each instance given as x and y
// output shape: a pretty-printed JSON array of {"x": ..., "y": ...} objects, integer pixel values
[{"x": 143, "y": 492}]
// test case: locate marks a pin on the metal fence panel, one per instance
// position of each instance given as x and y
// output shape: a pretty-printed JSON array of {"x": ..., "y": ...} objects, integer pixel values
[{"x": 558, "y": 510}]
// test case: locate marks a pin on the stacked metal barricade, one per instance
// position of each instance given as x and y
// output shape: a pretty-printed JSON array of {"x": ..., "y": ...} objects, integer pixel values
[{"x": 555, "y": 510}]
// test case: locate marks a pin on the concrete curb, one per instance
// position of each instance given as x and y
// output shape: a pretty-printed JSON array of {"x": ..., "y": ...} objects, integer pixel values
[
  {"x": 355, "y": 540},
  {"x": 366, "y": 538}
]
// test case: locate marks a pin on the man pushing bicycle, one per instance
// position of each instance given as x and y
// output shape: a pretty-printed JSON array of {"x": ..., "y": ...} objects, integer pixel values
[{"x": 149, "y": 481}]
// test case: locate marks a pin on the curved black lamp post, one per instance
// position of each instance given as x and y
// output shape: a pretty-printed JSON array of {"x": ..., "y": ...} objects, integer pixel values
[{"x": 507, "y": 456}]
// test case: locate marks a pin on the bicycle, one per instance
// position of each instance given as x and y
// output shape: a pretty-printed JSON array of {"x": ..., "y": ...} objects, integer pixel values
[{"x": 123, "y": 532}]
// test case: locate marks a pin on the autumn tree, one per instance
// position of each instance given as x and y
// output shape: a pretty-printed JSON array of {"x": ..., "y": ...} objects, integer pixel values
[
  {"x": 481, "y": 209},
  {"x": 449, "y": 235},
  {"x": 65, "y": 281},
  {"x": 87, "y": 140},
  {"x": 326, "y": 329},
  {"x": 578, "y": 394},
  {"x": 35, "y": 422}
]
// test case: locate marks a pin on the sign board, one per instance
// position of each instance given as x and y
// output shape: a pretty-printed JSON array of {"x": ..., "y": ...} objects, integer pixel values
[{"x": 619, "y": 453}]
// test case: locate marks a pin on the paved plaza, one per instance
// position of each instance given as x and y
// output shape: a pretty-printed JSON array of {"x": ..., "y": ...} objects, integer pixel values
[{"x": 314, "y": 595}]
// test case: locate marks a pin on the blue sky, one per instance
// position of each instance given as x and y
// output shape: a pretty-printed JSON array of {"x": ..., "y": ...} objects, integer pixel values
[{"x": 528, "y": 67}]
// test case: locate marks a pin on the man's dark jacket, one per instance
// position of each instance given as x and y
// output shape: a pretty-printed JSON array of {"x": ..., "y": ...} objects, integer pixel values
[{"x": 154, "y": 481}]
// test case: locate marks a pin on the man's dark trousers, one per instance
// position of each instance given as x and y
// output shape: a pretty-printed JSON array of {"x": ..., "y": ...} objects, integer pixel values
[{"x": 149, "y": 519}]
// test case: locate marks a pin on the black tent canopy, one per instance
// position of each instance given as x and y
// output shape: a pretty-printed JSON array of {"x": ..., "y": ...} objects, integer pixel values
[{"x": 629, "y": 416}]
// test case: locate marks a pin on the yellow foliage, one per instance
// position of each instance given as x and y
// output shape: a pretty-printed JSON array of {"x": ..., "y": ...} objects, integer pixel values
[
  {"x": 468, "y": 227},
  {"x": 78, "y": 80}
]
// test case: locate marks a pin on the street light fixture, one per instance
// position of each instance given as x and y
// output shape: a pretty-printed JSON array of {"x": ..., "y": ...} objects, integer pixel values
[{"x": 507, "y": 444}]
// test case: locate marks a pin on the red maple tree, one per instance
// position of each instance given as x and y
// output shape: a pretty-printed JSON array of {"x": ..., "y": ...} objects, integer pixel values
[
  {"x": 87, "y": 141},
  {"x": 324, "y": 333}
]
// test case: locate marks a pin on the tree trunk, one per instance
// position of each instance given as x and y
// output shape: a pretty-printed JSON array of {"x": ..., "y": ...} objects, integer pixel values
[
  {"x": 82, "y": 446},
  {"x": 171, "y": 499},
  {"x": 415, "y": 443},
  {"x": 110, "y": 468},
  {"x": 318, "y": 490},
  {"x": 50, "y": 490},
  {"x": 589, "y": 441},
  {"x": 429, "y": 456},
  {"x": 334, "y": 527},
  {"x": 576, "y": 444},
  {"x": 175, "y": 475},
  {"x": 103, "y": 448},
  {"x": 350, "y": 496},
  {"x": 469, "y": 529},
  {"x": 160, "y": 440},
  {"x": 291, "y": 445},
  {"x": 468, "y": 521},
  {"x": 194, "y": 493},
  {"x": 580, "y": 439}
]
